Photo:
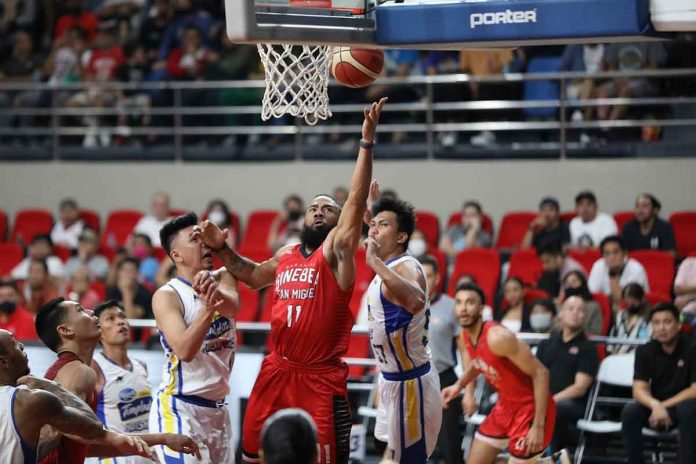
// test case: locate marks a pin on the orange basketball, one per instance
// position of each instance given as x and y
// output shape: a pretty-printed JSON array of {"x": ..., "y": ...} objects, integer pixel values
[{"x": 356, "y": 67}]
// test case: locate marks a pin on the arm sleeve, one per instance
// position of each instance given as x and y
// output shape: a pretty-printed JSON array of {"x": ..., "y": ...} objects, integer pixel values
[
  {"x": 594, "y": 281},
  {"x": 589, "y": 361},
  {"x": 641, "y": 367}
]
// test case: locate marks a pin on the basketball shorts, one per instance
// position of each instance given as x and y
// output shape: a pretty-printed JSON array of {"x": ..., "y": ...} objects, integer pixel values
[
  {"x": 206, "y": 422},
  {"x": 409, "y": 415},
  {"x": 508, "y": 423},
  {"x": 319, "y": 390}
]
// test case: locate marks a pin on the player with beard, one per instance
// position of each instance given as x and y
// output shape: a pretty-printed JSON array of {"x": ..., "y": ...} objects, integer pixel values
[
  {"x": 310, "y": 320},
  {"x": 523, "y": 418}
]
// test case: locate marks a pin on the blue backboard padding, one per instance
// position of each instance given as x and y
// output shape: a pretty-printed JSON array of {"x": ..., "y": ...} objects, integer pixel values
[{"x": 555, "y": 19}]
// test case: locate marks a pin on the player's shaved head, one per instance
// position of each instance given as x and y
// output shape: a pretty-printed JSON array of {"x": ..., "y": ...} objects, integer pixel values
[
  {"x": 289, "y": 437},
  {"x": 325, "y": 196}
]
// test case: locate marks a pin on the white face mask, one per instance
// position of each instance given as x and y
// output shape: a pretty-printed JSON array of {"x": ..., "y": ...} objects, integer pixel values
[
  {"x": 540, "y": 322},
  {"x": 217, "y": 217},
  {"x": 417, "y": 247}
]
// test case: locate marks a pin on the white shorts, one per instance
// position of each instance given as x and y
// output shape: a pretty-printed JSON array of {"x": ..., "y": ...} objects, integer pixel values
[
  {"x": 409, "y": 417},
  {"x": 209, "y": 427}
]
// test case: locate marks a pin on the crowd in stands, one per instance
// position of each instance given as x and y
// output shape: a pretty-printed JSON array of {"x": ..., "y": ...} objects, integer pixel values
[{"x": 151, "y": 41}]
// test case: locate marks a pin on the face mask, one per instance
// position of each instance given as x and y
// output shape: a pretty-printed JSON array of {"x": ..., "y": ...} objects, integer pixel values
[
  {"x": 140, "y": 251},
  {"x": 540, "y": 322},
  {"x": 217, "y": 217},
  {"x": 633, "y": 310},
  {"x": 8, "y": 307},
  {"x": 294, "y": 215},
  {"x": 417, "y": 247}
]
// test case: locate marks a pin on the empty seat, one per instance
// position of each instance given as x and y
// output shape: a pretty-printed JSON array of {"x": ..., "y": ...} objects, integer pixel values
[
  {"x": 622, "y": 217},
  {"x": 258, "y": 228},
  {"x": 526, "y": 266},
  {"x": 486, "y": 222},
  {"x": 119, "y": 225},
  {"x": 513, "y": 228},
  {"x": 483, "y": 264},
  {"x": 91, "y": 219},
  {"x": 11, "y": 254},
  {"x": 3, "y": 226},
  {"x": 586, "y": 258},
  {"x": 29, "y": 223},
  {"x": 248, "y": 303},
  {"x": 684, "y": 224},
  {"x": 659, "y": 265},
  {"x": 429, "y": 224}
]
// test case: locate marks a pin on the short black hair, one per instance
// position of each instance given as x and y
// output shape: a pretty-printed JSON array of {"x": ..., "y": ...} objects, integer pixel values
[
  {"x": 633, "y": 290},
  {"x": 289, "y": 437},
  {"x": 613, "y": 239},
  {"x": 653, "y": 200},
  {"x": 473, "y": 204},
  {"x": 104, "y": 305},
  {"x": 429, "y": 260},
  {"x": 68, "y": 203},
  {"x": 173, "y": 226},
  {"x": 472, "y": 288},
  {"x": 41, "y": 262},
  {"x": 549, "y": 247},
  {"x": 42, "y": 238},
  {"x": 405, "y": 216},
  {"x": 550, "y": 201},
  {"x": 586, "y": 195},
  {"x": 144, "y": 236},
  {"x": 547, "y": 303},
  {"x": 49, "y": 317},
  {"x": 664, "y": 306}
]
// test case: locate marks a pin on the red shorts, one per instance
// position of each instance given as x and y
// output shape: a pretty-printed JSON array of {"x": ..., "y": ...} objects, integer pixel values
[
  {"x": 319, "y": 390},
  {"x": 508, "y": 424}
]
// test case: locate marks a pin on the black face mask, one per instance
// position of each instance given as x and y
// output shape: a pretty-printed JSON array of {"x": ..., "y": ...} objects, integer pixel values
[
  {"x": 633, "y": 310},
  {"x": 294, "y": 215},
  {"x": 8, "y": 307},
  {"x": 573, "y": 292}
]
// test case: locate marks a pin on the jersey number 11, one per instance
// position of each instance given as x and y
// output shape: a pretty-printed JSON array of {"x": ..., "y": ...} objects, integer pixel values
[{"x": 298, "y": 310}]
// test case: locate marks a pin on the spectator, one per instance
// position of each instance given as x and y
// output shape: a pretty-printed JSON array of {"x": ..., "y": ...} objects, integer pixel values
[
  {"x": 444, "y": 331},
  {"x": 575, "y": 284},
  {"x": 573, "y": 363},
  {"x": 516, "y": 316},
  {"x": 219, "y": 213},
  {"x": 133, "y": 105},
  {"x": 39, "y": 288},
  {"x": 80, "y": 289},
  {"x": 547, "y": 227},
  {"x": 139, "y": 247},
  {"x": 685, "y": 288},
  {"x": 629, "y": 57},
  {"x": 289, "y": 436},
  {"x": 151, "y": 224},
  {"x": 417, "y": 245},
  {"x": 189, "y": 61},
  {"x": 340, "y": 194},
  {"x": 76, "y": 15},
  {"x": 64, "y": 66},
  {"x": 153, "y": 28},
  {"x": 582, "y": 58},
  {"x": 87, "y": 256},
  {"x": 288, "y": 224},
  {"x": 24, "y": 66},
  {"x": 647, "y": 230},
  {"x": 555, "y": 267},
  {"x": 664, "y": 387},
  {"x": 185, "y": 17},
  {"x": 468, "y": 234},
  {"x": 67, "y": 229},
  {"x": 13, "y": 316},
  {"x": 41, "y": 248},
  {"x": 589, "y": 228},
  {"x": 135, "y": 297},
  {"x": 543, "y": 314},
  {"x": 614, "y": 270},
  {"x": 632, "y": 322}
]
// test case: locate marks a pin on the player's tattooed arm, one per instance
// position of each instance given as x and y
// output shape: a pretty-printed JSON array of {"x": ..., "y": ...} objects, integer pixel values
[{"x": 66, "y": 397}]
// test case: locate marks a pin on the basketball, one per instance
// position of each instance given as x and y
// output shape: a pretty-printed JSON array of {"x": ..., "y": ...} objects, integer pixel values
[{"x": 356, "y": 67}]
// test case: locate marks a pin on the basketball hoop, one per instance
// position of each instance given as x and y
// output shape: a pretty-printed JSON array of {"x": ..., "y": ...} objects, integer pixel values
[{"x": 297, "y": 78}]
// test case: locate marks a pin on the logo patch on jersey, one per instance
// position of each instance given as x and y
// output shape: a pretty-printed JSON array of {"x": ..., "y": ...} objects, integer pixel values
[
  {"x": 289, "y": 278},
  {"x": 135, "y": 408},
  {"x": 488, "y": 371},
  {"x": 126, "y": 395},
  {"x": 219, "y": 326}
]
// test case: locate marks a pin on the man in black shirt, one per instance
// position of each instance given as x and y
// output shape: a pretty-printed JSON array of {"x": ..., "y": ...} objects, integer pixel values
[
  {"x": 547, "y": 227},
  {"x": 572, "y": 362},
  {"x": 647, "y": 231},
  {"x": 664, "y": 387}
]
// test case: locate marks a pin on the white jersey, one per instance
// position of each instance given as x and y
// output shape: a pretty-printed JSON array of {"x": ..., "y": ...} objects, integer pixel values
[
  {"x": 207, "y": 374},
  {"x": 12, "y": 448},
  {"x": 399, "y": 338}
]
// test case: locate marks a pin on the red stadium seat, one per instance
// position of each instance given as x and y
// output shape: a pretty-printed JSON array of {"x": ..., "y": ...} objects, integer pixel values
[
  {"x": 119, "y": 225},
  {"x": 684, "y": 224},
  {"x": 513, "y": 228},
  {"x": 91, "y": 219},
  {"x": 358, "y": 347},
  {"x": 429, "y": 224},
  {"x": 62, "y": 252},
  {"x": 3, "y": 226},
  {"x": 248, "y": 303},
  {"x": 655, "y": 297},
  {"x": 526, "y": 265},
  {"x": 363, "y": 277},
  {"x": 159, "y": 253},
  {"x": 607, "y": 314},
  {"x": 456, "y": 218},
  {"x": 586, "y": 258},
  {"x": 659, "y": 265},
  {"x": 622, "y": 217},
  {"x": 258, "y": 228},
  {"x": 568, "y": 215},
  {"x": 29, "y": 223},
  {"x": 234, "y": 223},
  {"x": 483, "y": 264},
  {"x": 11, "y": 255}
]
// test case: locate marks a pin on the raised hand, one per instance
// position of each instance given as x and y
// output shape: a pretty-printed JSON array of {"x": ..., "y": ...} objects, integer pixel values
[
  {"x": 371, "y": 251},
  {"x": 207, "y": 287},
  {"x": 211, "y": 235},
  {"x": 372, "y": 119}
]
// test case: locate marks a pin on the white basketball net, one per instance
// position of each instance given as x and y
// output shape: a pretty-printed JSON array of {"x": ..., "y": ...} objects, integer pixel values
[{"x": 297, "y": 78}]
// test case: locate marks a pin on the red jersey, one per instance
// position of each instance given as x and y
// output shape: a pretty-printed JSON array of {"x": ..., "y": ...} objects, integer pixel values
[
  {"x": 310, "y": 319},
  {"x": 511, "y": 383},
  {"x": 69, "y": 451},
  {"x": 21, "y": 324}
]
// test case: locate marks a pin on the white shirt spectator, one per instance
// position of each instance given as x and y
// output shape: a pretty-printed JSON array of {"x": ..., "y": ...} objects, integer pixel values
[
  {"x": 592, "y": 233},
  {"x": 67, "y": 237},
  {"x": 54, "y": 263},
  {"x": 150, "y": 226},
  {"x": 633, "y": 272}
]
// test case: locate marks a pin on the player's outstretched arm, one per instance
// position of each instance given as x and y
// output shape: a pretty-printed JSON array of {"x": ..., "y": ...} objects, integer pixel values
[
  {"x": 504, "y": 343},
  {"x": 344, "y": 240},
  {"x": 185, "y": 341},
  {"x": 176, "y": 442},
  {"x": 253, "y": 274}
]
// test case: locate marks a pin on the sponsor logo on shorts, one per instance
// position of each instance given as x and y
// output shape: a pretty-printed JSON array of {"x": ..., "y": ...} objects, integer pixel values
[{"x": 494, "y": 18}]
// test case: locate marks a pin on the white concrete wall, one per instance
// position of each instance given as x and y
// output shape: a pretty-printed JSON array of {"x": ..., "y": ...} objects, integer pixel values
[{"x": 439, "y": 186}]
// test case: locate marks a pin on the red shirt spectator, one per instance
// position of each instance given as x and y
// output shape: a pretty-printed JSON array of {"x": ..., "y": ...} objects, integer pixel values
[
  {"x": 103, "y": 63},
  {"x": 188, "y": 61},
  {"x": 14, "y": 317}
]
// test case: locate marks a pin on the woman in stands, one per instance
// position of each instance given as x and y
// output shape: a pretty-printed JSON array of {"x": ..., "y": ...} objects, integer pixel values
[
  {"x": 631, "y": 323},
  {"x": 575, "y": 283},
  {"x": 513, "y": 313}
]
